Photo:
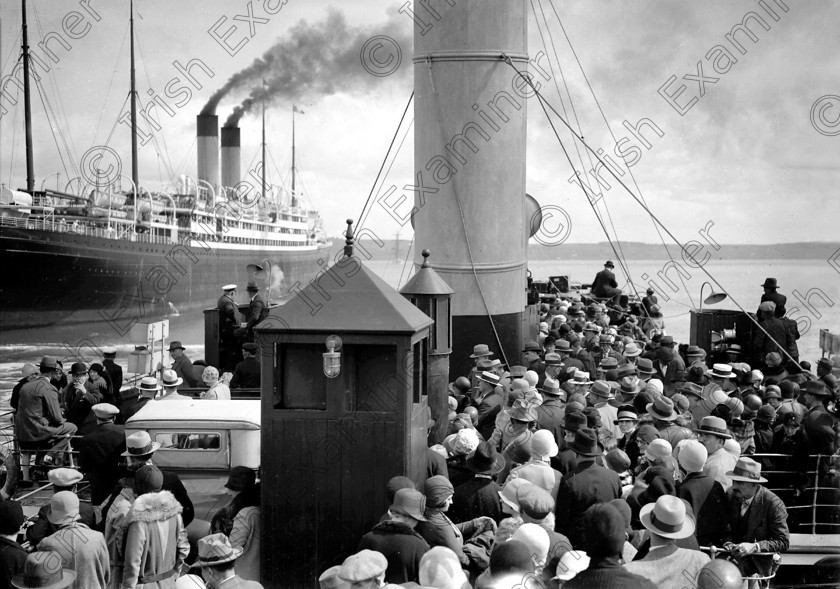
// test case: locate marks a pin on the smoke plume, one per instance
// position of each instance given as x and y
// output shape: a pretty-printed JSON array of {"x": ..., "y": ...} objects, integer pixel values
[{"x": 311, "y": 61}]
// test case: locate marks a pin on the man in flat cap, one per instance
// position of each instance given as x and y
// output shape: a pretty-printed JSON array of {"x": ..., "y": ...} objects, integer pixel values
[
  {"x": 364, "y": 570},
  {"x": 100, "y": 452},
  {"x": 247, "y": 373}
]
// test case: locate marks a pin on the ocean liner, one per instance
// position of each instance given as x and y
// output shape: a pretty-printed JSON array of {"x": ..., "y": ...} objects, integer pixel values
[{"x": 122, "y": 257}]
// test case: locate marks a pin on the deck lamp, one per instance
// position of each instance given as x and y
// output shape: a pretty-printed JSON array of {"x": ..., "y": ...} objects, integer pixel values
[
  {"x": 713, "y": 298},
  {"x": 332, "y": 358}
]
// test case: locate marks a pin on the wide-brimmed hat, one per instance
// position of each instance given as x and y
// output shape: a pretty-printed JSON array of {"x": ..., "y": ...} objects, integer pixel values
[
  {"x": 631, "y": 385},
  {"x": 216, "y": 549},
  {"x": 562, "y": 345},
  {"x": 816, "y": 388},
  {"x": 140, "y": 444},
  {"x": 579, "y": 377},
  {"x": 573, "y": 421},
  {"x": 553, "y": 359},
  {"x": 481, "y": 350},
  {"x": 64, "y": 508},
  {"x": 645, "y": 366},
  {"x": 517, "y": 371},
  {"x": 720, "y": 371},
  {"x": 523, "y": 411},
  {"x": 532, "y": 347},
  {"x": 609, "y": 363},
  {"x": 694, "y": 351},
  {"x": 551, "y": 387},
  {"x": 409, "y": 502},
  {"x": 602, "y": 389},
  {"x": 44, "y": 570},
  {"x": 770, "y": 283},
  {"x": 631, "y": 350},
  {"x": 486, "y": 460},
  {"x": 489, "y": 377},
  {"x": 176, "y": 345},
  {"x": 626, "y": 370},
  {"x": 662, "y": 408},
  {"x": 667, "y": 518},
  {"x": 170, "y": 378},
  {"x": 585, "y": 443},
  {"x": 746, "y": 470},
  {"x": 714, "y": 426}
]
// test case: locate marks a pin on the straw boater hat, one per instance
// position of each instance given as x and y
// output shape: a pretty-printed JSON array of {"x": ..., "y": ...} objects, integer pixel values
[
  {"x": 667, "y": 518},
  {"x": 140, "y": 444},
  {"x": 580, "y": 378},
  {"x": 489, "y": 377},
  {"x": 746, "y": 470},
  {"x": 714, "y": 426},
  {"x": 720, "y": 371}
]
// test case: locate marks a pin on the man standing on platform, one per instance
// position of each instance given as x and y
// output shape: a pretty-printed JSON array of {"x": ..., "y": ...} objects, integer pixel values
[
  {"x": 257, "y": 309},
  {"x": 604, "y": 286},
  {"x": 114, "y": 370},
  {"x": 247, "y": 373},
  {"x": 229, "y": 320},
  {"x": 770, "y": 287}
]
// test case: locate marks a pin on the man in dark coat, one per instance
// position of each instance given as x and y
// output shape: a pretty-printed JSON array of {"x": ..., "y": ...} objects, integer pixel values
[
  {"x": 757, "y": 517},
  {"x": 28, "y": 372},
  {"x": 705, "y": 495},
  {"x": 62, "y": 479},
  {"x": 396, "y": 539},
  {"x": 603, "y": 544},
  {"x": 488, "y": 402},
  {"x": 604, "y": 286},
  {"x": 818, "y": 424},
  {"x": 479, "y": 496},
  {"x": 257, "y": 309},
  {"x": 181, "y": 364},
  {"x": 773, "y": 335},
  {"x": 229, "y": 322},
  {"x": 100, "y": 453},
  {"x": 583, "y": 487},
  {"x": 770, "y": 286},
  {"x": 551, "y": 413},
  {"x": 531, "y": 358},
  {"x": 246, "y": 375},
  {"x": 114, "y": 370},
  {"x": 145, "y": 392},
  {"x": 567, "y": 459},
  {"x": 12, "y": 554}
]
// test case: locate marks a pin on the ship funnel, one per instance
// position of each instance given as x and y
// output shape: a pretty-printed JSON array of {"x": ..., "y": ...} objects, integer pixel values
[
  {"x": 208, "y": 151},
  {"x": 231, "y": 167}
]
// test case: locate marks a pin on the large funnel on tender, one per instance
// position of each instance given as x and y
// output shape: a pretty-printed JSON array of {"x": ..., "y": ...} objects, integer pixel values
[
  {"x": 231, "y": 166},
  {"x": 207, "y": 127}
]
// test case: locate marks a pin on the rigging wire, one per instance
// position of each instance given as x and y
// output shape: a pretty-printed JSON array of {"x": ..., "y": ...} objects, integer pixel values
[
  {"x": 382, "y": 166},
  {"x": 405, "y": 263},
  {"x": 396, "y": 153},
  {"x": 544, "y": 103},
  {"x": 609, "y": 128},
  {"x": 619, "y": 253}
]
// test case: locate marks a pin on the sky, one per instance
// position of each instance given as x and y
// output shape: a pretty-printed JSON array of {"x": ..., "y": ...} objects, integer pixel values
[{"x": 751, "y": 145}]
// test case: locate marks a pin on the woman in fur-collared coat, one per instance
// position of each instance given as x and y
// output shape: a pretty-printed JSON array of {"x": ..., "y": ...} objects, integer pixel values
[{"x": 155, "y": 537}]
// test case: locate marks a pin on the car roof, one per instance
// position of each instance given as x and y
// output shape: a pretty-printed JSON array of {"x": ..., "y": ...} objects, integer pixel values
[{"x": 196, "y": 414}]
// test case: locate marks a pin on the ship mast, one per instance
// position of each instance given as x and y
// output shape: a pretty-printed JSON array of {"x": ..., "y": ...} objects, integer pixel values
[
  {"x": 294, "y": 199},
  {"x": 27, "y": 106},
  {"x": 133, "y": 91}
]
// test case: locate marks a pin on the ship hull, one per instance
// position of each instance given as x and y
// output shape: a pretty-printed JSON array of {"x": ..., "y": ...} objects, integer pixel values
[{"x": 52, "y": 278}]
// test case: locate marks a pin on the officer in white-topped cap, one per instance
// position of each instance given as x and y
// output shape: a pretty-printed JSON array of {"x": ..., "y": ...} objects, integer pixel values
[
  {"x": 100, "y": 450},
  {"x": 62, "y": 479},
  {"x": 229, "y": 320}
]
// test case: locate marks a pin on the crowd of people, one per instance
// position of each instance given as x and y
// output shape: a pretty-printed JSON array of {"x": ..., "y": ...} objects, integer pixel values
[{"x": 608, "y": 458}]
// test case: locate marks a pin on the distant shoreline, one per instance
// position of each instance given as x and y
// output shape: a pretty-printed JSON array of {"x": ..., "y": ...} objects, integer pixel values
[{"x": 393, "y": 249}]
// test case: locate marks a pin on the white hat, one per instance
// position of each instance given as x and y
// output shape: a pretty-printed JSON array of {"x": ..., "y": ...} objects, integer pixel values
[
  {"x": 64, "y": 477},
  {"x": 170, "y": 378},
  {"x": 228, "y": 287},
  {"x": 105, "y": 410},
  {"x": 140, "y": 444},
  {"x": 692, "y": 455},
  {"x": 537, "y": 541},
  {"x": 570, "y": 564}
]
